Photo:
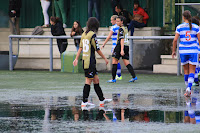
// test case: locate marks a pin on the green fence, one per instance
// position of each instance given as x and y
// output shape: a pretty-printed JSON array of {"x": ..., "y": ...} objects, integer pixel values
[{"x": 31, "y": 12}]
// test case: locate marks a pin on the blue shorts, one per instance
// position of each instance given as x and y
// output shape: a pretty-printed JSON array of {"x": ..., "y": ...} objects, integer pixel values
[{"x": 191, "y": 58}]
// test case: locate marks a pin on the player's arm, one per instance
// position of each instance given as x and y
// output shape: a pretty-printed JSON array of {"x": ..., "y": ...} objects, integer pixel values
[
  {"x": 174, "y": 45},
  {"x": 102, "y": 55},
  {"x": 107, "y": 39},
  {"x": 75, "y": 62},
  {"x": 96, "y": 46},
  {"x": 122, "y": 47},
  {"x": 198, "y": 36},
  {"x": 121, "y": 36}
]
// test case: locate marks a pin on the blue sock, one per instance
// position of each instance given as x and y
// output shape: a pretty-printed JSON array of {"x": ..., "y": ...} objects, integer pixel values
[
  {"x": 196, "y": 75},
  {"x": 190, "y": 80},
  {"x": 186, "y": 79},
  {"x": 186, "y": 113},
  {"x": 118, "y": 70}
]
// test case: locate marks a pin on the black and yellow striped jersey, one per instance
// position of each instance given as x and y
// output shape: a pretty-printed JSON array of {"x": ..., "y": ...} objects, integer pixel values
[{"x": 90, "y": 45}]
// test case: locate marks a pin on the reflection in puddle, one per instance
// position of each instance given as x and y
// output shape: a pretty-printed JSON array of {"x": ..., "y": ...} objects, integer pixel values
[
  {"x": 192, "y": 114},
  {"x": 64, "y": 114}
]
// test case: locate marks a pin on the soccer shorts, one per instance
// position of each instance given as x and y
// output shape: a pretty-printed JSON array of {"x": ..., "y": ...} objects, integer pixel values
[
  {"x": 91, "y": 72},
  {"x": 191, "y": 58},
  {"x": 117, "y": 52}
]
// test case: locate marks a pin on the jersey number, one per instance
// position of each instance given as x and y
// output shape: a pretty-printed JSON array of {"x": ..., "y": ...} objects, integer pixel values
[
  {"x": 188, "y": 35},
  {"x": 126, "y": 38},
  {"x": 85, "y": 45}
]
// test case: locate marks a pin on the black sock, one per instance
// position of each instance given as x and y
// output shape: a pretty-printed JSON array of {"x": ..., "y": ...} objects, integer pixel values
[
  {"x": 99, "y": 92},
  {"x": 86, "y": 92},
  {"x": 114, "y": 71},
  {"x": 131, "y": 71}
]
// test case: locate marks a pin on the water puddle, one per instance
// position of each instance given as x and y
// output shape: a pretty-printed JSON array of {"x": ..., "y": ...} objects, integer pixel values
[{"x": 127, "y": 112}]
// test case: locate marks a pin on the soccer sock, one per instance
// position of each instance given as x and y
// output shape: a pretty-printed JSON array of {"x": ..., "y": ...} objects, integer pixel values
[
  {"x": 131, "y": 71},
  {"x": 186, "y": 79},
  {"x": 186, "y": 113},
  {"x": 118, "y": 70},
  {"x": 190, "y": 80},
  {"x": 99, "y": 92},
  {"x": 196, "y": 75},
  {"x": 86, "y": 91},
  {"x": 191, "y": 113},
  {"x": 114, "y": 71}
]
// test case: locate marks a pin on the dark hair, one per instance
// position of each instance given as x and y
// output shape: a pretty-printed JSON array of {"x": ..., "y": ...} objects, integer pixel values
[
  {"x": 197, "y": 17},
  {"x": 119, "y": 6},
  {"x": 187, "y": 15},
  {"x": 121, "y": 18},
  {"x": 136, "y": 2},
  {"x": 195, "y": 21},
  {"x": 54, "y": 19},
  {"x": 92, "y": 24},
  {"x": 79, "y": 29}
]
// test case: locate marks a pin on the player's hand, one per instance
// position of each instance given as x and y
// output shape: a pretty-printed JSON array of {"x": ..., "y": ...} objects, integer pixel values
[
  {"x": 173, "y": 55},
  {"x": 75, "y": 62},
  {"x": 122, "y": 53},
  {"x": 102, "y": 46},
  {"x": 106, "y": 60}
]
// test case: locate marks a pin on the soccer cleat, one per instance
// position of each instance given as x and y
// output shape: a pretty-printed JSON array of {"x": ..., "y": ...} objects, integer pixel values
[
  {"x": 87, "y": 108},
  {"x": 101, "y": 103},
  {"x": 195, "y": 84},
  {"x": 187, "y": 92},
  {"x": 118, "y": 78},
  {"x": 111, "y": 81},
  {"x": 86, "y": 104},
  {"x": 133, "y": 79}
]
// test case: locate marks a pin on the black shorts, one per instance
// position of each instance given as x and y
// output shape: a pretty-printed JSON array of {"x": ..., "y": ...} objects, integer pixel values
[
  {"x": 91, "y": 72},
  {"x": 117, "y": 52}
]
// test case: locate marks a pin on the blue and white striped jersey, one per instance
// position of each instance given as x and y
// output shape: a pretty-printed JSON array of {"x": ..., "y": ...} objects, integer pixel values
[
  {"x": 115, "y": 29},
  {"x": 188, "y": 38}
]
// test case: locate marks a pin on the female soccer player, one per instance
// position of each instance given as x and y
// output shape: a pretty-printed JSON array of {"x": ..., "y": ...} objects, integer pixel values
[
  {"x": 196, "y": 79},
  {"x": 121, "y": 50},
  {"x": 188, "y": 48},
  {"x": 89, "y": 45},
  {"x": 113, "y": 33}
]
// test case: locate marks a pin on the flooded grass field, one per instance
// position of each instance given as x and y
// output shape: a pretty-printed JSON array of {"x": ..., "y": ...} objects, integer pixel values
[{"x": 49, "y": 102}]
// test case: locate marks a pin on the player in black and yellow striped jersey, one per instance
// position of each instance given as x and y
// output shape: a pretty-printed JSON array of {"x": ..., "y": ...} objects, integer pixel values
[
  {"x": 121, "y": 50},
  {"x": 89, "y": 45}
]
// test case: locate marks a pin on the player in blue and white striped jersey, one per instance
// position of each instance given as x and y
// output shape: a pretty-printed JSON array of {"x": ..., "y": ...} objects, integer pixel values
[
  {"x": 196, "y": 79},
  {"x": 113, "y": 34},
  {"x": 188, "y": 48}
]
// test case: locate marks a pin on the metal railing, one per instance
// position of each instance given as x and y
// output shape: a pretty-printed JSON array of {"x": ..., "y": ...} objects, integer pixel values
[{"x": 131, "y": 38}]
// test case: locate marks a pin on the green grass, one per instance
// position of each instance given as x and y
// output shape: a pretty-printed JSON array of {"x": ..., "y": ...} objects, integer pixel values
[
  {"x": 44, "y": 80},
  {"x": 28, "y": 86}
]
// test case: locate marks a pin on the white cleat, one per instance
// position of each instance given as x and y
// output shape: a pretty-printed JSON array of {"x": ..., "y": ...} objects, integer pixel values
[
  {"x": 87, "y": 104},
  {"x": 101, "y": 103},
  {"x": 187, "y": 92}
]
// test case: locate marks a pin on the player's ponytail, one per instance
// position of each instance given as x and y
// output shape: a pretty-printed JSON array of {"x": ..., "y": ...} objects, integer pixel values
[{"x": 187, "y": 15}]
